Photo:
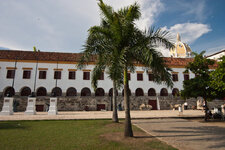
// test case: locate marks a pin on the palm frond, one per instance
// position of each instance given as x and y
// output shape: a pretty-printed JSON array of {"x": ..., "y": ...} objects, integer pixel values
[
  {"x": 159, "y": 36},
  {"x": 130, "y": 13},
  {"x": 97, "y": 71},
  {"x": 106, "y": 11}
]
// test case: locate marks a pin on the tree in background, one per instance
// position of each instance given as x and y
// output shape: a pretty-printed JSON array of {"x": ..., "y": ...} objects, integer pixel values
[
  {"x": 217, "y": 80},
  {"x": 199, "y": 85}
]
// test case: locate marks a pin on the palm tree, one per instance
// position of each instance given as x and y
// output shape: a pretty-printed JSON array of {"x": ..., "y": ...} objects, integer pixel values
[
  {"x": 100, "y": 44},
  {"x": 143, "y": 51},
  {"x": 106, "y": 60},
  {"x": 118, "y": 39}
]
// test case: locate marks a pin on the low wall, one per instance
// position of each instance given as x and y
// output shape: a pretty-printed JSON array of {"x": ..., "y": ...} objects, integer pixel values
[
  {"x": 79, "y": 103},
  {"x": 166, "y": 102}
]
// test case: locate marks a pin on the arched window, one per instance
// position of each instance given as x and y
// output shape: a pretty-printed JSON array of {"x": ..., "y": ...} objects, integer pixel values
[
  {"x": 71, "y": 92},
  {"x": 111, "y": 92},
  {"x": 151, "y": 92},
  {"x": 163, "y": 92},
  {"x": 9, "y": 91},
  {"x": 139, "y": 92},
  {"x": 129, "y": 92},
  {"x": 175, "y": 92},
  {"x": 56, "y": 91},
  {"x": 26, "y": 91},
  {"x": 85, "y": 92},
  {"x": 41, "y": 91},
  {"x": 99, "y": 92}
]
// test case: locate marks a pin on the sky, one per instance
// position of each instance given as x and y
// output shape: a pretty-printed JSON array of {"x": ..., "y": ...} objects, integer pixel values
[{"x": 62, "y": 25}]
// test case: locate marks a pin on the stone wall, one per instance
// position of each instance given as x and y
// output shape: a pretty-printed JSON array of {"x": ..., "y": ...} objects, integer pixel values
[
  {"x": 215, "y": 103},
  {"x": 79, "y": 103},
  {"x": 166, "y": 102}
]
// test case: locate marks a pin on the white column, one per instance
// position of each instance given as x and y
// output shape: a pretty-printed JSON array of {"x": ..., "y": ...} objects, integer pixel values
[
  {"x": 7, "y": 108},
  {"x": 215, "y": 110},
  {"x": 222, "y": 109},
  {"x": 180, "y": 110},
  {"x": 158, "y": 104},
  {"x": 31, "y": 108},
  {"x": 53, "y": 106}
]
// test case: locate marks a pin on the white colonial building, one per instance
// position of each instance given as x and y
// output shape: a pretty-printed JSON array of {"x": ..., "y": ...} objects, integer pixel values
[
  {"x": 59, "y": 70},
  {"x": 23, "y": 72},
  {"x": 49, "y": 74}
]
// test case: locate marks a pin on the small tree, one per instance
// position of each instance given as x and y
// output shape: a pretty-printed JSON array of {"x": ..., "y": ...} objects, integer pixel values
[
  {"x": 217, "y": 80},
  {"x": 198, "y": 86}
]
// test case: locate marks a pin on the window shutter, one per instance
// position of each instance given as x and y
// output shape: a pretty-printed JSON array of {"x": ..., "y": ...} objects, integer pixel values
[
  {"x": 139, "y": 76},
  {"x": 128, "y": 76},
  {"x": 150, "y": 77}
]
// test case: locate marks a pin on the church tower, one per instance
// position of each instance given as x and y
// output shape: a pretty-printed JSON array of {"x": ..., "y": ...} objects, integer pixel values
[{"x": 180, "y": 49}]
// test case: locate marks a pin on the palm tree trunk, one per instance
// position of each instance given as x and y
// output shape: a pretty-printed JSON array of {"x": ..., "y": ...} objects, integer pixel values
[
  {"x": 115, "y": 114},
  {"x": 128, "y": 128},
  {"x": 206, "y": 110}
]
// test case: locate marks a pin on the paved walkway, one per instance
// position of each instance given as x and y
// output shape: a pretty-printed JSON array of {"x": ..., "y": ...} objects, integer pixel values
[
  {"x": 185, "y": 134},
  {"x": 102, "y": 115}
]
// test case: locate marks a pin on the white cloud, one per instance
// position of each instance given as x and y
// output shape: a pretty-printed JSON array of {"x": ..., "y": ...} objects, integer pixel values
[
  {"x": 189, "y": 31},
  {"x": 150, "y": 9},
  {"x": 51, "y": 25},
  {"x": 56, "y": 25},
  {"x": 8, "y": 45},
  {"x": 117, "y": 4}
]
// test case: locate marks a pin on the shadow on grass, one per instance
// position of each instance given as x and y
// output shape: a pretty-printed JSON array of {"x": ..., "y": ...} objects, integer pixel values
[{"x": 12, "y": 125}]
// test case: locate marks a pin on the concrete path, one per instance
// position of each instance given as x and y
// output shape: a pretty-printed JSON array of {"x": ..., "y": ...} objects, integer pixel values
[
  {"x": 185, "y": 134},
  {"x": 102, "y": 115}
]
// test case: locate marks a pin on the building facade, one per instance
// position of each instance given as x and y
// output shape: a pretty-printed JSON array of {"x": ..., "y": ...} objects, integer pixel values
[
  {"x": 58, "y": 72},
  {"x": 23, "y": 72}
]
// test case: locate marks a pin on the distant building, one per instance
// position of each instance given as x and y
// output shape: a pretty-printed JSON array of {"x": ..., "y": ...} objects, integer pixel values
[
  {"x": 217, "y": 55},
  {"x": 180, "y": 49}
]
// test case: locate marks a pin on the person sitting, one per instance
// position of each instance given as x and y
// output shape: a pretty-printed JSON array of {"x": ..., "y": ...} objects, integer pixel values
[{"x": 209, "y": 114}]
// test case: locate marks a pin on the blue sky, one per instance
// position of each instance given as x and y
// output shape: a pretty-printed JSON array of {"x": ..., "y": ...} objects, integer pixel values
[
  {"x": 205, "y": 12},
  {"x": 61, "y": 25}
]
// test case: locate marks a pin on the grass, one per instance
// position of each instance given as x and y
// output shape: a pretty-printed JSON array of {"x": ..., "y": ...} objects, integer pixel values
[{"x": 73, "y": 134}]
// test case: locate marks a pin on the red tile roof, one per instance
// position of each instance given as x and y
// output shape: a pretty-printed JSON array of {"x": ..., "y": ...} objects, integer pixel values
[
  {"x": 45, "y": 56},
  {"x": 170, "y": 61},
  {"x": 72, "y": 57}
]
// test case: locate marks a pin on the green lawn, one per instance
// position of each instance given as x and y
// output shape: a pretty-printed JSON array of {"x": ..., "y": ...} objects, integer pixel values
[{"x": 72, "y": 134}]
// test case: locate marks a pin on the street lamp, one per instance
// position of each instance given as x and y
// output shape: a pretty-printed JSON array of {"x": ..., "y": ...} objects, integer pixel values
[{"x": 35, "y": 78}]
